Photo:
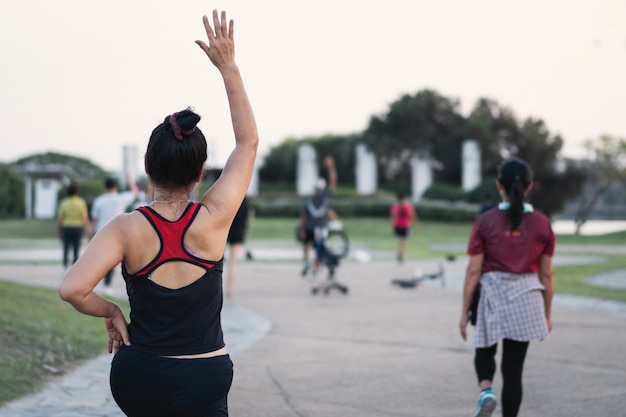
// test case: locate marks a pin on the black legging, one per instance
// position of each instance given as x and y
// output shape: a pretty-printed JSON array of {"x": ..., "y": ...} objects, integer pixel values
[
  {"x": 70, "y": 236},
  {"x": 513, "y": 355}
]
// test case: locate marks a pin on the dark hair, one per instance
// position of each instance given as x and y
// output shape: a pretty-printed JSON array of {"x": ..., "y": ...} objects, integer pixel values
[
  {"x": 72, "y": 189},
  {"x": 110, "y": 183},
  {"x": 515, "y": 176},
  {"x": 176, "y": 150}
]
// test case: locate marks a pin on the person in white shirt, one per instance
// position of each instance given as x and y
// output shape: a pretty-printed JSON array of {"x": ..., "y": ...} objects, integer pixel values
[{"x": 108, "y": 205}]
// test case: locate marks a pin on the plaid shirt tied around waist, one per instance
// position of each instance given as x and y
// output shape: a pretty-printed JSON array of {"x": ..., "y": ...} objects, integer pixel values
[{"x": 512, "y": 307}]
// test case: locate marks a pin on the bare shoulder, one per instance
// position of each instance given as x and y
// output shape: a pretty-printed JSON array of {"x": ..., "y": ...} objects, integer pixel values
[{"x": 127, "y": 224}]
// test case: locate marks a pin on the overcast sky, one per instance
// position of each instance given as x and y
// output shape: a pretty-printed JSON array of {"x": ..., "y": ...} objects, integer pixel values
[{"x": 85, "y": 78}]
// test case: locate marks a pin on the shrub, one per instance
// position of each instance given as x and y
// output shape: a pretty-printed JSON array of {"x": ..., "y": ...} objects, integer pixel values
[{"x": 447, "y": 192}]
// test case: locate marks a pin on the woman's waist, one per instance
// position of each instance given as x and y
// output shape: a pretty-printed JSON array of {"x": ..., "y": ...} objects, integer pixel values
[
  {"x": 508, "y": 275},
  {"x": 183, "y": 352},
  {"x": 507, "y": 285},
  {"x": 211, "y": 354}
]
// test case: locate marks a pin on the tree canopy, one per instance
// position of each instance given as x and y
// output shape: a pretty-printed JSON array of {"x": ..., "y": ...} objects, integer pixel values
[
  {"x": 430, "y": 123},
  {"x": 606, "y": 166},
  {"x": 427, "y": 123},
  {"x": 84, "y": 168},
  {"x": 12, "y": 188},
  {"x": 11, "y": 192}
]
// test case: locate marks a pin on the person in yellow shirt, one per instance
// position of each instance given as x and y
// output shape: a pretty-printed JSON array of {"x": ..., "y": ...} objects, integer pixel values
[{"x": 72, "y": 221}]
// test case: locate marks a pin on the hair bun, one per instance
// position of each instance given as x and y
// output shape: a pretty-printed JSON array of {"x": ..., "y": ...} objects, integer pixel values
[
  {"x": 182, "y": 123},
  {"x": 187, "y": 119}
]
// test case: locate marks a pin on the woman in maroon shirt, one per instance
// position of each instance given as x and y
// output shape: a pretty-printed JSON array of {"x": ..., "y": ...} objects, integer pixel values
[{"x": 510, "y": 251}]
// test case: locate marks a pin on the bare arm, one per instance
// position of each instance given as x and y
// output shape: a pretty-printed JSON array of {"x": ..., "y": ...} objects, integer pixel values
[
  {"x": 103, "y": 253},
  {"x": 546, "y": 275},
  {"x": 329, "y": 162},
  {"x": 225, "y": 196},
  {"x": 472, "y": 276}
]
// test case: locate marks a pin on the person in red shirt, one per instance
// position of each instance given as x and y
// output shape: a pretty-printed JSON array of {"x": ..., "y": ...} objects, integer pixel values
[
  {"x": 403, "y": 216},
  {"x": 511, "y": 249}
]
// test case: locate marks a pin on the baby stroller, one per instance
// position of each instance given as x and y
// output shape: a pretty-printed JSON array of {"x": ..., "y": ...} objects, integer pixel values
[{"x": 334, "y": 246}]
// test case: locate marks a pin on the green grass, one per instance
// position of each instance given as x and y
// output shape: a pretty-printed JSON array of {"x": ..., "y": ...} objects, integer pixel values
[
  {"x": 27, "y": 229},
  {"x": 376, "y": 234},
  {"x": 570, "y": 279},
  {"x": 37, "y": 328},
  {"x": 617, "y": 238}
]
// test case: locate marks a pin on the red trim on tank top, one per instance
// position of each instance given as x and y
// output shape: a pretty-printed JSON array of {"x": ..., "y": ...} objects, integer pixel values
[{"x": 171, "y": 235}]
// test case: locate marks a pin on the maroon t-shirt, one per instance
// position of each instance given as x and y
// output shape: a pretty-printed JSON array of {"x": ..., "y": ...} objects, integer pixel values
[{"x": 517, "y": 251}]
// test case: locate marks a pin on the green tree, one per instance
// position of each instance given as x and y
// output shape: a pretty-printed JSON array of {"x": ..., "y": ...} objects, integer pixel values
[
  {"x": 607, "y": 166},
  {"x": 84, "y": 168},
  {"x": 11, "y": 192},
  {"x": 554, "y": 183},
  {"x": 279, "y": 166},
  {"x": 88, "y": 175},
  {"x": 430, "y": 123},
  {"x": 500, "y": 136},
  {"x": 426, "y": 122},
  {"x": 492, "y": 126}
]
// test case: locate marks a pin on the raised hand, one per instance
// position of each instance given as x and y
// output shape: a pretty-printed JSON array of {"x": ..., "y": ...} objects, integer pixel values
[{"x": 221, "y": 47}]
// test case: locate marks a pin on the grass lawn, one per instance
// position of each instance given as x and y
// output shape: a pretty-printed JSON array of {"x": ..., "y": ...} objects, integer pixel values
[{"x": 37, "y": 330}]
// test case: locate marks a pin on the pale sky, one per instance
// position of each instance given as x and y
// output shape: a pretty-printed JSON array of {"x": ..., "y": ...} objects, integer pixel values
[{"x": 85, "y": 78}]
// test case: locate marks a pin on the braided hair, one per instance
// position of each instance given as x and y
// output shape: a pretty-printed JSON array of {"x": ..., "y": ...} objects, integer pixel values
[{"x": 515, "y": 175}]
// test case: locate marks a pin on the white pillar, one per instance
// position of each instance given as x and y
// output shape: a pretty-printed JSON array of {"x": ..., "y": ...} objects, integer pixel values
[
  {"x": 130, "y": 163},
  {"x": 306, "y": 170},
  {"x": 471, "y": 165},
  {"x": 366, "y": 171},
  {"x": 46, "y": 198},
  {"x": 421, "y": 175},
  {"x": 28, "y": 197}
]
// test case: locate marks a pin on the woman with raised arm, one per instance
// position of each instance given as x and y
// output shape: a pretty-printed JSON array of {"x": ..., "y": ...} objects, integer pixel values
[
  {"x": 510, "y": 249},
  {"x": 170, "y": 359}
]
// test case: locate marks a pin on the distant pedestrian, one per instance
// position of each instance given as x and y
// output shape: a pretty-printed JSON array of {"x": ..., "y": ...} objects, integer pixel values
[
  {"x": 236, "y": 239},
  {"x": 314, "y": 216},
  {"x": 108, "y": 205},
  {"x": 487, "y": 203},
  {"x": 72, "y": 222},
  {"x": 403, "y": 217},
  {"x": 510, "y": 249}
]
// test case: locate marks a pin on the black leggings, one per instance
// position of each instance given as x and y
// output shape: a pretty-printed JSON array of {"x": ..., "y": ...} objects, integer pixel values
[
  {"x": 145, "y": 384},
  {"x": 513, "y": 355},
  {"x": 70, "y": 236}
]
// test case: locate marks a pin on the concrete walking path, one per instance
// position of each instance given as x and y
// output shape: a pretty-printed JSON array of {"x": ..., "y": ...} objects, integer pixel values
[{"x": 378, "y": 351}]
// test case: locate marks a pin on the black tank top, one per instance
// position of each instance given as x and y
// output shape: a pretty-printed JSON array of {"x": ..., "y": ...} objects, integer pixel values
[{"x": 182, "y": 321}]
